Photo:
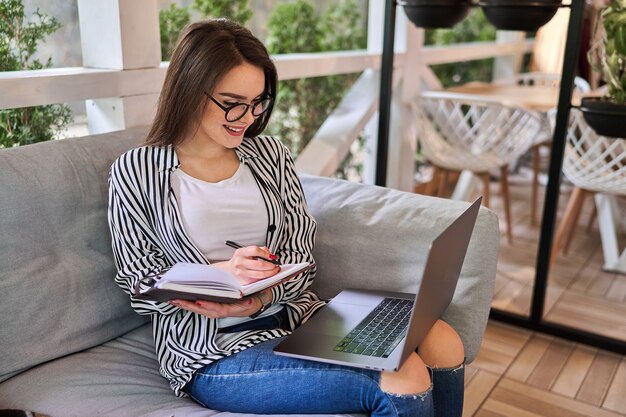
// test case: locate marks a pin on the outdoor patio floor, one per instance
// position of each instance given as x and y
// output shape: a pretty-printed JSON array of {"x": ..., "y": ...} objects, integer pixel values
[
  {"x": 580, "y": 294},
  {"x": 519, "y": 373}
]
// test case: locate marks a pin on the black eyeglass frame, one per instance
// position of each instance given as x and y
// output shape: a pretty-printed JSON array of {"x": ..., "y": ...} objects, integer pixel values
[{"x": 252, "y": 106}]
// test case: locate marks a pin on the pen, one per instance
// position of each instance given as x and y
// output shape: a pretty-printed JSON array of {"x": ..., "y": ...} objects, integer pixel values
[{"x": 236, "y": 245}]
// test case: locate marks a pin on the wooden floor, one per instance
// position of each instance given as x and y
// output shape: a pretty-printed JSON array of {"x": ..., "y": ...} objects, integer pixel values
[{"x": 518, "y": 373}]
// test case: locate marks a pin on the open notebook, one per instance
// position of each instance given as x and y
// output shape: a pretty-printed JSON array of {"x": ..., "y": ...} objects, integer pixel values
[{"x": 189, "y": 281}]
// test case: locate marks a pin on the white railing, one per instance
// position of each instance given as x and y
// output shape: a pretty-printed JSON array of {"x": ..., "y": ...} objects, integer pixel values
[{"x": 62, "y": 85}]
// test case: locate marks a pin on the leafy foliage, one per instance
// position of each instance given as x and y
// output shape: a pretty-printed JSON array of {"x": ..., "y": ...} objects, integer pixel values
[
  {"x": 235, "y": 10},
  {"x": 303, "y": 104},
  {"x": 471, "y": 29},
  {"x": 608, "y": 53},
  {"x": 18, "y": 43},
  {"x": 294, "y": 27},
  {"x": 174, "y": 18}
]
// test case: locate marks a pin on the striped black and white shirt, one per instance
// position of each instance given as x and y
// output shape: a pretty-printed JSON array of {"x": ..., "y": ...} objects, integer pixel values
[{"x": 148, "y": 235}]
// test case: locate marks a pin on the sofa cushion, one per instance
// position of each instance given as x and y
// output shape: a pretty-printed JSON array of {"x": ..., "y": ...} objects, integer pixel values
[
  {"x": 120, "y": 378},
  {"x": 56, "y": 268},
  {"x": 378, "y": 238}
]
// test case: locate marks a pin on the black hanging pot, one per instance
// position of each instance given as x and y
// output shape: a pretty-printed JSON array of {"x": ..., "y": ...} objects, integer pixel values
[
  {"x": 605, "y": 117},
  {"x": 433, "y": 14},
  {"x": 522, "y": 15}
]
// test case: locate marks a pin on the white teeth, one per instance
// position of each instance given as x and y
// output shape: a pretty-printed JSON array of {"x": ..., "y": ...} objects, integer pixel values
[{"x": 232, "y": 129}]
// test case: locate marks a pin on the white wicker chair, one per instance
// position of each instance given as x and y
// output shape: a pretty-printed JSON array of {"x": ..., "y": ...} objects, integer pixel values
[
  {"x": 594, "y": 164},
  {"x": 544, "y": 138},
  {"x": 457, "y": 133}
]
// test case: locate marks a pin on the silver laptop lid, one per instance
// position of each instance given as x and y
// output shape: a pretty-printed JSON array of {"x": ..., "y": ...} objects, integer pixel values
[{"x": 441, "y": 272}]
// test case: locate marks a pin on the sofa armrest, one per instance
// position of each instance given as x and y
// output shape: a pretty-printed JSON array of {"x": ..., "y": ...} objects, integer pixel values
[{"x": 377, "y": 238}]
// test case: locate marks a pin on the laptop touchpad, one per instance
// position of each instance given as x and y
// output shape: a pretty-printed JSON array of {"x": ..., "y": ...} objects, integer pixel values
[{"x": 338, "y": 318}]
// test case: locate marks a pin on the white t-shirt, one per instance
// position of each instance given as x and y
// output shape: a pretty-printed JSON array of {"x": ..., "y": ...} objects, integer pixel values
[{"x": 231, "y": 209}]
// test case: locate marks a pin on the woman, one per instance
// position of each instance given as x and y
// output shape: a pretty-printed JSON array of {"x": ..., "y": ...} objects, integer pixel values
[{"x": 205, "y": 176}]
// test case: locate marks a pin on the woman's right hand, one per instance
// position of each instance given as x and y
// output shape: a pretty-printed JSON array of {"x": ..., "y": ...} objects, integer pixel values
[{"x": 246, "y": 265}]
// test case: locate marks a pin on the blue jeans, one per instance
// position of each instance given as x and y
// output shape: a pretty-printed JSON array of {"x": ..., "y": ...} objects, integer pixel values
[
  {"x": 282, "y": 385},
  {"x": 448, "y": 390}
]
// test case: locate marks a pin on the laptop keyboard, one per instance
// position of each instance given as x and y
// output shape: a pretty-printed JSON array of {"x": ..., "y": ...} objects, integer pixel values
[{"x": 381, "y": 331}]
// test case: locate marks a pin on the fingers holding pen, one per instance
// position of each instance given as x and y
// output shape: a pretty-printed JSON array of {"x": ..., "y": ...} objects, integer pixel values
[
  {"x": 261, "y": 253},
  {"x": 253, "y": 257},
  {"x": 250, "y": 263}
]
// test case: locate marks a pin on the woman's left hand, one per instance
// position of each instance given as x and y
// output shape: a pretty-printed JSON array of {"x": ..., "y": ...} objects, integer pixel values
[{"x": 214, "y": 310}]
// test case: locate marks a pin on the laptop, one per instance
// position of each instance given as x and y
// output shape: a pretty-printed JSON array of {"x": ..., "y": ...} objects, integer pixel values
[{"x": 379, "y": 329}]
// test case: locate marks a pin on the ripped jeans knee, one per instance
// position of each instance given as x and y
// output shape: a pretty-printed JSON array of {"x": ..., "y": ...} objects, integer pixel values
[{"x": 453, "y": 369}]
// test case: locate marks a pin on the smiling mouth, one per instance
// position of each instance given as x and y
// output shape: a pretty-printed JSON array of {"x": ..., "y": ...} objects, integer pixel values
[{"x": 234, "y": 130}]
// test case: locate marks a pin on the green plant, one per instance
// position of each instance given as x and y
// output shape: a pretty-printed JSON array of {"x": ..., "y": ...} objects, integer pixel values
[
  {"x": 608, "y": 51},
  {"x": 235, "y": 10},
  {"x": 18, "y": 43},
  {"x": 174, "y": 18},
  {"x": 303, "y": 104},
  {"x": 471, "y": 29}
]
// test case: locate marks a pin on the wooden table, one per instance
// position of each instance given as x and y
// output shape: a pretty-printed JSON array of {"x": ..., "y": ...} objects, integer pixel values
[{"x": 537, "y": 98}]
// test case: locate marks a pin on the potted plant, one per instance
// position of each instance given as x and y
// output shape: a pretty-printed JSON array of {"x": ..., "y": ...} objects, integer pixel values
[
  {"x": 607, "y": 55},
  {"x": 523, "y": 15},
  {"x": 433, "y": 14}
]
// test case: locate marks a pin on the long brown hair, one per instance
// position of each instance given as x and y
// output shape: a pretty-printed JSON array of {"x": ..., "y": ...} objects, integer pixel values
[{"x": 205, "y": 52}]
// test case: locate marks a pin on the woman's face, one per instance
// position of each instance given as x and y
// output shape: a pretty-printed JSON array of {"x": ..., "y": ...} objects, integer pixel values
[{"x": 242, "y": 84}]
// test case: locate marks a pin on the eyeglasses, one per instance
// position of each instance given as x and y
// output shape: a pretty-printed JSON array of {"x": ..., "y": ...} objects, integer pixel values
[{"x": 236, "y": 111}]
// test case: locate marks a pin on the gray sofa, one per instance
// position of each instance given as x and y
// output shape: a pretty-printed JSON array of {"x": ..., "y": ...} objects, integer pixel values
[{"x": 71, "y": 346}]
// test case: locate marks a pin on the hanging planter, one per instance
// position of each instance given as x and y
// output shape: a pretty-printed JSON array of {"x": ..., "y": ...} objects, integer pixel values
[
  {"x": 607, "y": 55},
  {"x": 433, "y": 14},
  {"x": 605, "y": 117},
  {"x": 522, "y": 15}
]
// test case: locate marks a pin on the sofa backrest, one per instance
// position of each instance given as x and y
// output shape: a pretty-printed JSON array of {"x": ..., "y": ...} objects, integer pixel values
[
  {"x": 56, "y": 265},
  {"x": 378, "y": 238}
]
